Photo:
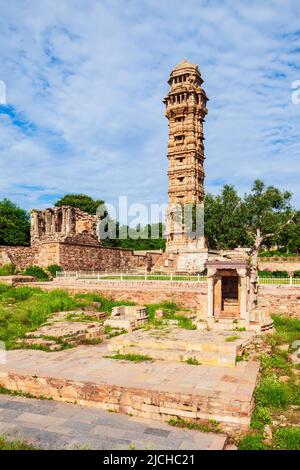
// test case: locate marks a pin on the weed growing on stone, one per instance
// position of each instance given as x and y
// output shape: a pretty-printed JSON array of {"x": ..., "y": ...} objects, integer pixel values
[
  {"x": 18, "y": 393},
  {"x": 130, "y": 357},
  {"x": 192, "y": 361},
  {"x": 211, "y": 426},
  {"x": 230, "y": 339},
  {"x": 14, "y": 444}
]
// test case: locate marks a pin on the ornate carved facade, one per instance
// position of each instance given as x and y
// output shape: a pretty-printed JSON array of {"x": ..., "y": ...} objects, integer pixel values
[{"x": 186, "y": 111}]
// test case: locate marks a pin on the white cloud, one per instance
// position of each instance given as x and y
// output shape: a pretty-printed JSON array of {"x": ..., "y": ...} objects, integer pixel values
[{"x": 90, "y": 76}]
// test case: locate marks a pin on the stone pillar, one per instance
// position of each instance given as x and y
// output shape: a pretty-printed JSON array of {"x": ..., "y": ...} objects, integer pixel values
[{"x": 210, "y": 294}]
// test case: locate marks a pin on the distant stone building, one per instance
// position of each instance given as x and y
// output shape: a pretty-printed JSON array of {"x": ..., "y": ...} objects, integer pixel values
[
  {"x": 186, "y": 111},
  {"x": 64, "y": 223}
]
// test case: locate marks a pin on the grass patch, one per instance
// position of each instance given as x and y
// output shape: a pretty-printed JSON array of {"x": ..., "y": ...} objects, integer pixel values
[
  {"x": 15, "y": 444},
  {"x": 130, "y": 357},
  {"x": 7, "y": 270},
  {"x": 252, "y": 441},
  {"x": 288, "y": 438},
  {"x": 211, "y": 426},
  {"x": 169, "y": 309},
  {"x": 271, "y": 393},
  {"x": 25, "y": 309},
  {"x": 107, "y": 304},
  {"x": 287, "y": 331}
]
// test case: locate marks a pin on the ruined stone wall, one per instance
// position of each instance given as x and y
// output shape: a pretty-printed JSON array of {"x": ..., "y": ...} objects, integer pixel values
[
  {"x": 63, "y": 223},
  {"x": 286, "y": 264},
  {"x": 74, "y": 257},
  {"x": 19, "y": 256},
  {"x": 284, "y": 300}
]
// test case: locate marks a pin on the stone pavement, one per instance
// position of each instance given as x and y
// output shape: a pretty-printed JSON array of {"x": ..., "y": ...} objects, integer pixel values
[
  {"x": 52, "y": 425},
  {"x": 154, "y": 390}
]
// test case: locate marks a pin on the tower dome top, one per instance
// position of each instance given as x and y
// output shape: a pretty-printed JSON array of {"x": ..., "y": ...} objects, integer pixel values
[
  {"x": 185, "y": 68},
  {"x": 185, "y": 64}
]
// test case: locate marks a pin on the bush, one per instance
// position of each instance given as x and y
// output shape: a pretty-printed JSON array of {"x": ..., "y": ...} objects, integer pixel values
[
  {"x": 7, "y": 270},
  {"x": 37, "y": 272},
  {"x": 53, "y": 269},
  {"x": 277, "y": 274},
  {"x": 297, "y": 274}
]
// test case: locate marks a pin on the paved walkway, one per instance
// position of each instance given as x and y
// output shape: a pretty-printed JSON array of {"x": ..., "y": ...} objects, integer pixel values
[{"x": 53, "y": 425}]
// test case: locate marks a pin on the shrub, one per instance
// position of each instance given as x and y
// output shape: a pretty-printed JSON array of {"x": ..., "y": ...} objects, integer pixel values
[
  {"x": 37, "y": 272},
  {"x": 53, "y": 269},
  {"x": 277, "y": 274},
  {"x": 297, "y": 274},
  {"x": 7, "y": 270}
]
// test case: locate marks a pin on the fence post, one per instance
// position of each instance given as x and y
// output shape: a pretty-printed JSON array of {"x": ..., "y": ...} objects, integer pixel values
[
  {"x": 76, "y": 275},
  {"x": 171, "y": 277},
  {"x": 198, "y": 277},
  {"x": 145, "y": 276},
  {"x": 98, "y": 276},
  {"x": 121, "y": 276},
  {"x": 257, "y": 279},
  {"x": 291, "y": 280}
]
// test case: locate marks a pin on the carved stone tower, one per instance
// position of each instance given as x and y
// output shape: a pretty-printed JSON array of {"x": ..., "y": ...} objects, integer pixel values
[{"x": 186, "y": 111}]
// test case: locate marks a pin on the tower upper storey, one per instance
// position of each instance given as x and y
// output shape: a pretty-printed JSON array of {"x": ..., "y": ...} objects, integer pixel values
[{"x": 185, "y": 90}]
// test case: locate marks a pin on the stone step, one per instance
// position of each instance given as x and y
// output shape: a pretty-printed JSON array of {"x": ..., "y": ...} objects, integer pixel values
[
  {"x": 203, "y": 357},
  {"x": 190, "y": 347}
]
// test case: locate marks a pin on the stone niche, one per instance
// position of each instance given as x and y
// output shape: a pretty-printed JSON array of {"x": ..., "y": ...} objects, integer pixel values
[{"x": 229, "y": 296}]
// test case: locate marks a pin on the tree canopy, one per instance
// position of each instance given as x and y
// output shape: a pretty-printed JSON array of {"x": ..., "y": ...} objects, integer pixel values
[
  {"x": 14, "y": 224},
  {"x": 80, "y": 201}
]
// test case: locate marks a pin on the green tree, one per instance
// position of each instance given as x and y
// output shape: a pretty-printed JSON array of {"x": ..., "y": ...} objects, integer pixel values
[
  {"x": 267, "y": 213},
  {"x": 80, "y": 201},
  {"x": 289, "y": 240},
  {"x": 14, "y": 224},
  {"x": 224, "y": 220}
]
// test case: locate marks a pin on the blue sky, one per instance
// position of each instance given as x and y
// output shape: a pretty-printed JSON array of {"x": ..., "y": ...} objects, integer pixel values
[{"x": 85, "y": 81}]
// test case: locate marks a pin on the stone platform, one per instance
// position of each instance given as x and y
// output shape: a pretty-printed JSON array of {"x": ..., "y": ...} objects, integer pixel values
[
  {"x": 206, "y": 347},
  {"x": 153, "y": 390}
]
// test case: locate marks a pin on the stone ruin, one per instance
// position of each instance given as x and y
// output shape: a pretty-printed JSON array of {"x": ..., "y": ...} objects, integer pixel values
[
  {"x": 63, "y": 224},
  {"x": 128, "y": 317}
]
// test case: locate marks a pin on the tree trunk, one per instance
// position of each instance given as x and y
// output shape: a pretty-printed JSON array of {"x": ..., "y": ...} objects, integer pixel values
[{"x": 254, "y": 268}]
